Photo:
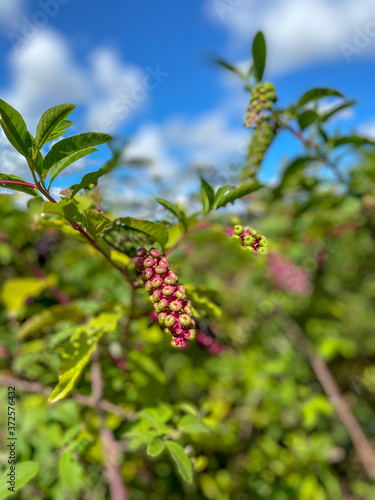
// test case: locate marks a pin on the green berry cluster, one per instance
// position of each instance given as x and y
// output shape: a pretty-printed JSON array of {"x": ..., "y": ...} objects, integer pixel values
[
  {"x": 251, "y": 241},
  {"x": 261, "y": 103}
]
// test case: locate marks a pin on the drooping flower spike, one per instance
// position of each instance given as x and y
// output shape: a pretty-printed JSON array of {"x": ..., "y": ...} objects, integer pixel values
[
  {"x": 169, "y": 299},
  {"x": 251, "y": 241}
]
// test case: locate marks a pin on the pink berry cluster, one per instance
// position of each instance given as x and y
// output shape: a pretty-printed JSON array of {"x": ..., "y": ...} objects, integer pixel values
[
  {"x": 169, "y": 299},
  {"x": 251, "y": 241}
]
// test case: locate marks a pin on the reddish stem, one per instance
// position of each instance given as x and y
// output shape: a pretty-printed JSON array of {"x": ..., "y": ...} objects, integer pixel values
[{"x": 19, "y": 183}]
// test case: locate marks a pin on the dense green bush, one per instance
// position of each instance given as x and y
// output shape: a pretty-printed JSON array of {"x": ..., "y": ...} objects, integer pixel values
[{"x": 274, "y": 398}]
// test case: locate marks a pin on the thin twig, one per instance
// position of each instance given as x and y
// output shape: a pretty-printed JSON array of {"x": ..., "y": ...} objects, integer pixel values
[
  {"x": 110, "y": 449},
  {"x": 361, "y": 443},
  {"x": 36, "y": 387}
]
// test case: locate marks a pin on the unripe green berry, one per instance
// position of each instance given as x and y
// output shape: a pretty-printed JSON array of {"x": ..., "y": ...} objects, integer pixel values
[
  {"x": 237, "y": 237},
  {"x": 149, "y": 262},
  {"x": 188, "y": 310},
  {"x": 176, "y": 305},
  {"x": 181, "y": 295},
  {"x": 157, "y": 282},
  {"x": 168, "y": 290},
  {"x": 191, "y": 333},
  {"x": 162, "y": 317},
  {"x": 167, "y": 330},
  {"x": 263, "y": 250},
  {"x": 185, "y": 319},
  {"x": 263, "y": 242},
  {"x": 238, "y": 229},
  {"x": 156, "y": 295},
  {"x": 170, "y": 320},
  {"x": 155, "y": 253},
  {"x": 249, "y": 240},
  {"x": 160, "y": 269},
  {"x": 148, "y": 273},
  {"x": 248, "y": 249},
  {"x": 164, "y": 262},
  {"x": 148, "y": 285},
  {"x": 170, "y": 280}
]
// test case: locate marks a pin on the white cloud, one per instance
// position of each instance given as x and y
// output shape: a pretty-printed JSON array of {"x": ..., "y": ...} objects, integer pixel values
[
  {"x": 298, "y": 33},
  {"x": 44, "y": 72},
  {"x": 178, "y": 143},
  {"x": 367, "y": 130},
  {"x": 11, "y": 161}
]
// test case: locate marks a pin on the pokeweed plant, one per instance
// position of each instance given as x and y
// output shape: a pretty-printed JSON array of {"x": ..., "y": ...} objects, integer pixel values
[{"x": 122, "y": 242}]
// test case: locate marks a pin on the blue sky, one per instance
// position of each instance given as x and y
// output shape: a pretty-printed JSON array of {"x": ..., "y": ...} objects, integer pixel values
[{"x": 103, "y": 56}]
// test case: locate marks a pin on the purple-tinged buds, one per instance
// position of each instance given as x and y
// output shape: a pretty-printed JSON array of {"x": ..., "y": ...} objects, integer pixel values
[
  {"x": 181, "y": 295},
  {"x": 162, "y": 317},
  {"x": 170, "y": 320},
  {"x": 160, "y": 269},
  {"x": 170, "y": 304},
  {"x": 148, "y": 273},
  {"x": 170, "y": 280},
  {"x": 185, "y": 319},
  {"x": 176, "y": 305},
  {"x": 157, "y": 281},
  {"x": 141, "y": 252},
  {"x": 154, "y": 253},
  {"x": 149, "y": 262}
]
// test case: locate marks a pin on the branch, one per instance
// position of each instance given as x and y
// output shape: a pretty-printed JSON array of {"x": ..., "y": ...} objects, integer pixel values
[
  {"x": 19, "y": 183},
  {"x": 35, "y": 387},
  {"x": 362, "y": 445},
  {"x": 111, "y": 451}
]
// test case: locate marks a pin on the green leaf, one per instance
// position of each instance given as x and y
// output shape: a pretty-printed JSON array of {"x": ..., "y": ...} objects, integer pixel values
[
  {"x": 64, "y": 163},
  {"x": 183, "y": 462},
  {"x": 324, "y": 117},
  {"x": 208, "y": 196},
  {"x": 237, "y": 193},
  {"x": 78, "y": 349},
  {"x": 296, "y": 166},
  {"x": 15, "y": 129},
  {"x": 66, "y": 208},
  {"x": 192, "y": 424},
  {"x": 174, "y": 209},
  {"x": 148, "y": 365},
  {"x": 307, "y": 118},
  {"x": 16, "y": 187},
  {"x": 228, "y": 66},
  {"x": 48, "y": 317},
  {"x": 24, "y": 472},
  {"x": 15, "y": 291},
  {"x": 95, "y": 222},
  {"x": 71, "y": 473},
  {"x": 155, "y": 447},
  {"x": 50, "y": 121},
  {"x": 156, "y": 230},
  {"x": 351, "y": 139},
  {"x": 314, "y": 94},
  {"x": 221, "y": 192},
  {"x": 73, "y": 144},
  {"x": 259, "y": 55},
  {"x": 60, "y": 130}
]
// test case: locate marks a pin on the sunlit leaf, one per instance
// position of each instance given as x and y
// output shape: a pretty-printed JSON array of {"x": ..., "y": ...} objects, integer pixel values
[
  {"x": 174, "y": 209},
  {"x": 50, "y": 121},
  {"x": 237, "y": 193},
  {"x": 192, "y": 424},
  {"x": 208, "y": 196},
  {"x": 77, "y": 351},
  {"x": 183, "y": 462},
  {"x": 156, "y": 230},
  {"x": 68, "y": 160},
  {"x": 15, "y": 291},
  {"x": 24, "y": 472},
  {"x": 15, "y": 129},
  {"x": 155, "y": 447}
]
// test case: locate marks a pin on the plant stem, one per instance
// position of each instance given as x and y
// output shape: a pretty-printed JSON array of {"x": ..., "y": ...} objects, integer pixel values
[
  {"x": 111, "y": 452},
  {"x": 19, "y": 183}
]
